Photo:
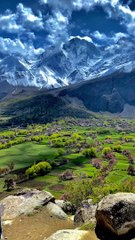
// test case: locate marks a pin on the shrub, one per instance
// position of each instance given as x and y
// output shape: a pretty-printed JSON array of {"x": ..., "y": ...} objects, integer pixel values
[
  {"x": 4, "y": 171},
  {"x": 61, "y": 152},
  {"x": 78, "y": 191},
  {"x": 131, "y": 170},
  {"x": 128, "y": 138},
  {"x": 89, "y": 152},
  {"x": 58, "y": 143},
  {"x": 106, "y": 150},
  {"x": 104, "y": 131},
  {"x": 38, "y": 169},
  {"x": 76, "y": 137},
  {"x": 117, "y": 148},
  {"x": 9, "y": 184},
  {"x": 126, "y": 153},
  {"x": 97, "y": 163},
  {"x": 109, "y": 155},
  {"x": 11, "y": 166}
]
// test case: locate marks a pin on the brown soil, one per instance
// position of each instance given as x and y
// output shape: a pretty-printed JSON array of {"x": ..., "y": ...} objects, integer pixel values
[
  {"x": 57, "y": 187},
  {"x": 37, "y": 227}
]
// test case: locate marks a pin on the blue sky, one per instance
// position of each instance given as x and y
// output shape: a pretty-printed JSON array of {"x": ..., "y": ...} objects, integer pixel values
[{"x": 27, "y": 27}]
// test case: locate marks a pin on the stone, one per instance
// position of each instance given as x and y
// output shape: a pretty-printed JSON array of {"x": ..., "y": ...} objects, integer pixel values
[
  {"x": 68, "y": 235},
  {"x": 24, "y": 203},
  {"x": 116, "y": 217},
  {"x": 66, "y": 206},
  {"x": 55, "y": 210},
  {"x": 86, "y": 213}
]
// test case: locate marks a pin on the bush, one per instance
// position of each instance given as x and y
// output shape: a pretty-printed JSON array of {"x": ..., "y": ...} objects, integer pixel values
[
  {"x": 39, "y": 169},
  {"x": 89, "y": 152},
  {"x": 78, "y": 191},
  {"x": 117, "y": 148},
  {"x": 128, "y": 139},
  {"x": 9, "y": 183},
  {"x": 61, "y": 152},
  {"x": 106, "y": 150},
  {"x": 131, "y": 170},
  {"x": 97, "y": 163}
]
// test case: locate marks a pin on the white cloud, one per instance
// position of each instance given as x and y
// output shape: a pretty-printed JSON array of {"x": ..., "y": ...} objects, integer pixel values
[
  {"x": 128, "y": 17},
  {"x": 126, "y": 10},
  {"x": 113, "y": 7},
  {"x": 57, "y": 26},
  {"x": 86, "y": 38},
  {"x": 27, "y": 18},
  {"x": 8, "y": 23},
  {"x": 8, "y": 46},
  {"x": 21, "y": 20},
  {"x": 24, "y": 22},
  {"x": 118, "y": 36},
  {"x": 99, "y": 36},
  {"x": 79, "y": 4}
]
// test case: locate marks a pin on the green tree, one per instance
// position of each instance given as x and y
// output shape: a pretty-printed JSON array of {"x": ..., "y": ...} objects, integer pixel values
[
  {"x": 38, "y": 169},
  {"x": 89, "y": 152}
]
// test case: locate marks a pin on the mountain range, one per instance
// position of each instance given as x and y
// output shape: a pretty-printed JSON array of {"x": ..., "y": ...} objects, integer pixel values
[
  {"x": 75, "y": 61},
  {"x": 76, "y": 79}
]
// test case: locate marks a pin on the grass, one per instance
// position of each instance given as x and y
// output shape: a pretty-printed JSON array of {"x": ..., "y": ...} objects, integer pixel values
[{"x": 25, "y": 154}]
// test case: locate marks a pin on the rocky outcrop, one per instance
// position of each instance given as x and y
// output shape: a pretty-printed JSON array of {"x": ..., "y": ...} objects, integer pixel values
[
  {"x": 25, "y": 203},
  {"x": 68, "y": 235},
  {"x": 116, "y": 217},
  {"x": 55, "y": 210},
  {"x": 86, "y": 213},
  {"x": 66, "y": 206}
]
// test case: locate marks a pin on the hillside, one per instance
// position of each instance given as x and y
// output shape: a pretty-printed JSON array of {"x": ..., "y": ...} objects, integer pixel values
[{"x": 113, "y": 94}]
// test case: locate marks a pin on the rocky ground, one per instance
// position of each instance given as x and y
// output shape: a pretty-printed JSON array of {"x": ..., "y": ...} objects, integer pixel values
[
  {"x": 33, "y": 215},
  {"x": 36, "y": 215},
  {"x": 36, "y": 226}
]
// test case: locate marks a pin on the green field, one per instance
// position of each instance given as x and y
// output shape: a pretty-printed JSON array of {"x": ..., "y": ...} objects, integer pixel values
[
  {"x": 62, "y": 145},
  {"x": 25, "y": 154}
]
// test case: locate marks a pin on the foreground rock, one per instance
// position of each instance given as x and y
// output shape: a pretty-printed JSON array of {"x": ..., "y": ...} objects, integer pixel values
[
  {"x": 24, "y": 203},
  {"x": 55, "y": 210},
  {"x": 86, "y": 213},
  {"x": 68, "y": 235},
  {"x": 66, "y": 206},
  {"x": 116, "y": 217}
]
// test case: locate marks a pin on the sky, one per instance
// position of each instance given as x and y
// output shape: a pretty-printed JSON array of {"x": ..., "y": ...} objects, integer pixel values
[{"x": 28, "y": 27}]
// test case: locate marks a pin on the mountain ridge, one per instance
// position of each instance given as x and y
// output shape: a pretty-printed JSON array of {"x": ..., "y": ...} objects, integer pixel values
[{"x": 76, "y": 61}]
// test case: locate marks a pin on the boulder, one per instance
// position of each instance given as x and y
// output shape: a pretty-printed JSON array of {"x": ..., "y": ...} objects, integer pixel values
[
  {"x": 116, "y": 217},
  {"x": 55, "y": 210},
  {"x": 24, "y": 203},
  {"x": 66, "y": 206},
  {"x": 86, "y": 213},
  {"x": 68, "y": 235}
]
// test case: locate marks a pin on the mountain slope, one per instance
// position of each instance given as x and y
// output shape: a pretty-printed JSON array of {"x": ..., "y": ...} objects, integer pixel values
[{"x": 108, "y": 94}]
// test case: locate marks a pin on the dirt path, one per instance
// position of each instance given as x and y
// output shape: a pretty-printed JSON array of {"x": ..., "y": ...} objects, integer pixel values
[{"x": 37, "y": 227}]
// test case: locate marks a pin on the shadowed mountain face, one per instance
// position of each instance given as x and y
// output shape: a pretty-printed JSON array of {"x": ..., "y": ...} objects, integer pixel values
[{"x": 107, "y": 94}]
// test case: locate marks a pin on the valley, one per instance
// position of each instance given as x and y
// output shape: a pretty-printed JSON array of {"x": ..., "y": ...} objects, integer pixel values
[
  {"x": 67, "y": 120},
  {"x": 71, "y": 145}
]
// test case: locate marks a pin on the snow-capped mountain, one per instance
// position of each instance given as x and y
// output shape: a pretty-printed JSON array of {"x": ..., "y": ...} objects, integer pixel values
[{"x": 77, "y": 60}]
